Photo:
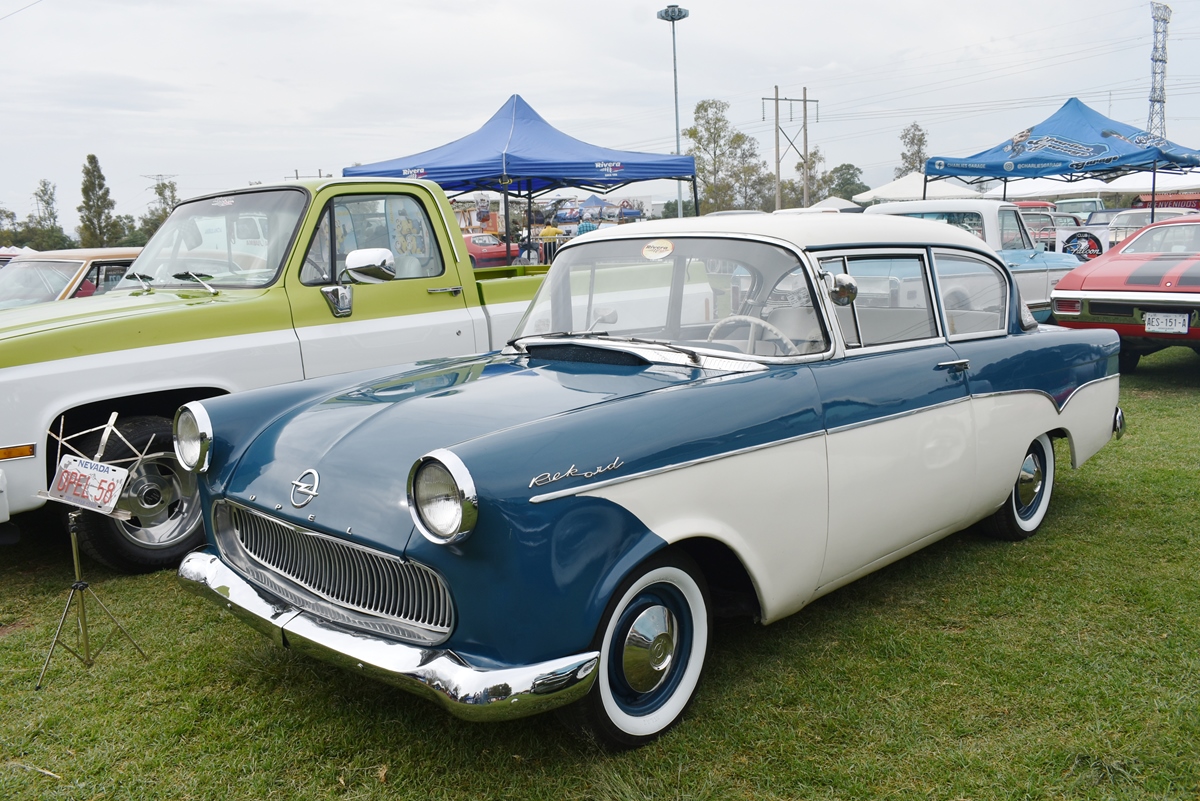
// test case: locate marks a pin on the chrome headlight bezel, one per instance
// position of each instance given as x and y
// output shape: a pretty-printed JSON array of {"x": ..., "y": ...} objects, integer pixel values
[
  {"x": 462, "y": 495},
  {"x": 192, "y": 434}
]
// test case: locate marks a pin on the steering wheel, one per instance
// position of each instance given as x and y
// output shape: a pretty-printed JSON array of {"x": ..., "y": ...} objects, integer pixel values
[{"x": 787, "y": 343}]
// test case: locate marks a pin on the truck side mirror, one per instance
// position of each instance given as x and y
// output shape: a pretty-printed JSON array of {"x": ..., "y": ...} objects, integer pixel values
[{"x": 370, "y": 266}]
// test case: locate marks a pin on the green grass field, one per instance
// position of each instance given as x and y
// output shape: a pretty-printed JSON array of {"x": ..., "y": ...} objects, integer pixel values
[{"x": 1063, "y": 667}]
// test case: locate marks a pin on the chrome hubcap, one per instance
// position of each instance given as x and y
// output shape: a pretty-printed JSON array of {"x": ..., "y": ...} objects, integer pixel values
[
  {"x": 1029, "y": 482},
  {"x": 650, "y": 649}
]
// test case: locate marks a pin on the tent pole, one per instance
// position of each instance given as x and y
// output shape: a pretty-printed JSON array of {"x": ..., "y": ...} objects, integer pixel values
[
  {"x": 924, "y": 187},
  {"x": 1153, "y": 189},
  {"x": 507, "y": 231},
  {"x": 529, "y": 216},
  {"x": 695, "y": 199},
  {"x": 1004, "y": 193}
]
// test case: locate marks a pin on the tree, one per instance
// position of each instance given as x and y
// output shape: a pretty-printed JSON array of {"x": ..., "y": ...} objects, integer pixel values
[
  {"x": 669, "y": 209},
  {"x": 816, "y": 180},
  {"x": 97, "y": 226},
  {"x": 914, "y": 157},
  {"x": 845, "y": 181},
  {"x": 165, "y": 199},
  {"x": 41, "y": 230},
  {"x": 8, "y": 227},
  {"x": 728, "y": 168}
]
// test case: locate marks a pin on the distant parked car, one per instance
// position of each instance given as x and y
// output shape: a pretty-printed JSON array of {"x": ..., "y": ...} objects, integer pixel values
[
  {"x": 486, "y": 250},
  {"x": 1080, "y": 206},
  {"x": 1044, "y": 226},
  {"x": 1147, "y": 289},
  {"x": 1038, "y": 205},
  {"x": 1132, "y": 220},
  {"x": 61, "y": 274}
]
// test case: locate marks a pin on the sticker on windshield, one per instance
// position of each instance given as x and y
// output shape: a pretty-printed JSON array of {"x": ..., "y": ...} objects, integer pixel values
[
  {"x": 224, "y": 201},
  {"x": 658, "y": 249}
]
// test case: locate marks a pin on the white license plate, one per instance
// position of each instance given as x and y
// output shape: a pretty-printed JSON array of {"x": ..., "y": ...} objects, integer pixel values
[
  {"x": 1163, "y": 323},
  {"x": 88, "y": 484}
]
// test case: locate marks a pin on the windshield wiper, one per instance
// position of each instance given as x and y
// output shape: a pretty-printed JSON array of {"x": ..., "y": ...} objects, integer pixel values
[
  {"x": 691, "y": 354},
  {"x": 558, "y": 335},
  {"x": 144, "y": 280},
  {"x": 189, "y": 274}
]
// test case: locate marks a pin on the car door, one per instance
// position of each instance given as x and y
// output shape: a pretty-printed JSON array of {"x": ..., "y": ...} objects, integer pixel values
[
  {"x": 414, "y": 311},
  {"x": 899, "y": 427},
  {"x": 1027, "y": 264},
  {"x": 974, "y": 299}
]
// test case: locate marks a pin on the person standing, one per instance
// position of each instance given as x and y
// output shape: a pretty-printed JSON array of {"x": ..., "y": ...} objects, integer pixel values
[{"x": 585, "y": 225}]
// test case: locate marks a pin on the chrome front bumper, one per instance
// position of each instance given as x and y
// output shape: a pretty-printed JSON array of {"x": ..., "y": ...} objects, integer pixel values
[{"x": 468, "y": 692}]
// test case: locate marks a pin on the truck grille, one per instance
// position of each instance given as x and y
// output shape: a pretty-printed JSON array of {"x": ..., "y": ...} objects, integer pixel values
[{"x": 339, "y": 580}]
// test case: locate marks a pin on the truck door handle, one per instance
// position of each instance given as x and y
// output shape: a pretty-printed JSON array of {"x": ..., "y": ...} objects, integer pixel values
[
  {"x": 956, "y": 366},
  {"x": 453, "y": 290}
]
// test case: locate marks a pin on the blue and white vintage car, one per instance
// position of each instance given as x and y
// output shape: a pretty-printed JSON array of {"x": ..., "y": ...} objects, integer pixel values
[{"x": 697, "y": 417}]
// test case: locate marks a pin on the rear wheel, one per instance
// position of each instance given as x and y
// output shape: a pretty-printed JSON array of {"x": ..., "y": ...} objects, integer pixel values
[
  {"x": 160, "y": 496},
  {"x": 1027, "y": 504},
  {"x": 652, "y": 645}
]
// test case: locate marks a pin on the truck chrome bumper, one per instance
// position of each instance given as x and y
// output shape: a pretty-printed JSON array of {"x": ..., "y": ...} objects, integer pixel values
[{"x": 467, "y": 692}]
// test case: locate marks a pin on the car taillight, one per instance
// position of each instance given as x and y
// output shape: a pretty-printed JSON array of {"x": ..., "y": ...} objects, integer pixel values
[{"x": 1068, "y": 306}]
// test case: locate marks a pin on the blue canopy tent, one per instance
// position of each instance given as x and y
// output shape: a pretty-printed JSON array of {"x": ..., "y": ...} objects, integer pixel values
[
  {"x": 1074, "y": 143},
  {"x": 518, "y": 152}
]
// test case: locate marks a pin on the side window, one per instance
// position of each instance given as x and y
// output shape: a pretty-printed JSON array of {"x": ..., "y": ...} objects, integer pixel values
[
  {"x": 893, "y": 303},
  {"x": 1012, "y": 233},
  {"x": 973, "y": 295},
  {"x": 394, "y": 222},
  {"x": 790, "y": 310}
]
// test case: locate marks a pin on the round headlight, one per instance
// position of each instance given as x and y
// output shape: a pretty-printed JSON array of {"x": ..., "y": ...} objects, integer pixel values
[
  {"x": 193, "y": 437},
  {"x": 442, "y": 498}
]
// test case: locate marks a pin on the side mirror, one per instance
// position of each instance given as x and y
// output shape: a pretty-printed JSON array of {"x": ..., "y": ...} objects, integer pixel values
[
  {"x": 370, "y": 265},
  {"x": 1040, "y": 247},
  {"x": 603, "y": 317},
  {"x": 843, "y": 289}
]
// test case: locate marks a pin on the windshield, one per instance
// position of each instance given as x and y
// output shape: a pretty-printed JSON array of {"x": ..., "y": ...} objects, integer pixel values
[
  {"x": 234, "y": 241},
  {"x": 26, "y": 282},
  {"x": 724, "y": 295}
]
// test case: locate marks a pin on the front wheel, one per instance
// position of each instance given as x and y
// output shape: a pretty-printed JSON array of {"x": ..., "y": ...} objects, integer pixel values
[
  {"x": 161, "y": 497},
  {"x": 652, "y": 646},
  {"x": 1027, "y": 504}
]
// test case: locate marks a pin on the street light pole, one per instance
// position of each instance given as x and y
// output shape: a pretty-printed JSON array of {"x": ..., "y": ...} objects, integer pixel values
[{"x": 673, "y": 14}]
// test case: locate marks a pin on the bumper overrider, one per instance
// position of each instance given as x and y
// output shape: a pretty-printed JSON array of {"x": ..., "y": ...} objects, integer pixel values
[{"x": 441, "y": 675}]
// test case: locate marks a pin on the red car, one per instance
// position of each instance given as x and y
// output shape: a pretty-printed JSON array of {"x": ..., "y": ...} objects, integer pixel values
[
  {"x": 1147, "y": 289},
  {"x": 486, "y": 250}
]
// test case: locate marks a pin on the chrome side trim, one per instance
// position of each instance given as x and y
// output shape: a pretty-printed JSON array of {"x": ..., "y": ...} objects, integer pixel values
[
  {"x": 471, "y": 693},
  {"x": 595, "y": 485},
  {"x": 1047, "y": 395},
  {"x": 898, "y": 415}
]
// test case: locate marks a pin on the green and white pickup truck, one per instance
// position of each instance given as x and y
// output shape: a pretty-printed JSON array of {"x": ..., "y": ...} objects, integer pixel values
[{"x": 238, "y": 290}]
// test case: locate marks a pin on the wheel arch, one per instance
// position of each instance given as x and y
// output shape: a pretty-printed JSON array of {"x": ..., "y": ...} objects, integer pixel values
[
  {"x": 733, "y": 592},
  {"x": 159, "y": 403}
]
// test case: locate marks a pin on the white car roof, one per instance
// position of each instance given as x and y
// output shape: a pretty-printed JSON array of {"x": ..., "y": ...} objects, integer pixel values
[
  {"x": 802, "y": 230},
  {"x": 912, "y": 206}
]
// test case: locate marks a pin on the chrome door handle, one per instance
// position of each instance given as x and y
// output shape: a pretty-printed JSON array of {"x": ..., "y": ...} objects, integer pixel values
[
  {"x": 957, "y": 366},
  {"x": 453, "y": 290}
]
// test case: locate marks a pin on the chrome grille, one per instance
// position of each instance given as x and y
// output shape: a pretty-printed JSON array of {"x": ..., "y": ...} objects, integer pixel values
[{"x": 350, "y": 576}]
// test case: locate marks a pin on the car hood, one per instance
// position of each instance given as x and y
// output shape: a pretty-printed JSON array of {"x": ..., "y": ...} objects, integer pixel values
[
  {"x": 102, "y": 308},
  {"x": 362, "y": 442},
  {"x": 1162, "y": 272}
]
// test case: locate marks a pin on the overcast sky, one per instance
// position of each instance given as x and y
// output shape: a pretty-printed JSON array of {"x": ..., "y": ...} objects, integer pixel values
[{"x": 220, "y": 93}]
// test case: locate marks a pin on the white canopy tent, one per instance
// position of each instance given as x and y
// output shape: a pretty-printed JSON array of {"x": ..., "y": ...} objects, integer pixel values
[
  {"x": 913, "y": 187},
  {"x": 1140, "y": 182}
]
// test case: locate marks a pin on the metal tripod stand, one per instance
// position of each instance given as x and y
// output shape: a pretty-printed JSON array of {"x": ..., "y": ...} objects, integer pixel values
[{"x": 85, "y": 654}]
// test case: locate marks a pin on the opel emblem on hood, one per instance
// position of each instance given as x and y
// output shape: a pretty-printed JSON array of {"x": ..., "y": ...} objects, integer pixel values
[{"x": 304, "y": 489}]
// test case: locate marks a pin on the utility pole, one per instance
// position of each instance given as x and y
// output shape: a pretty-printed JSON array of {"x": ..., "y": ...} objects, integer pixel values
[
  {"x": 1157, "y": 122},
  {"x": 791, "y": 144}
]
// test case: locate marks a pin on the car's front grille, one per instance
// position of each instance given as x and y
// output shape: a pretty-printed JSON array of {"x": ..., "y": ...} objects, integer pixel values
[{"x": 336, "y": 579}]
